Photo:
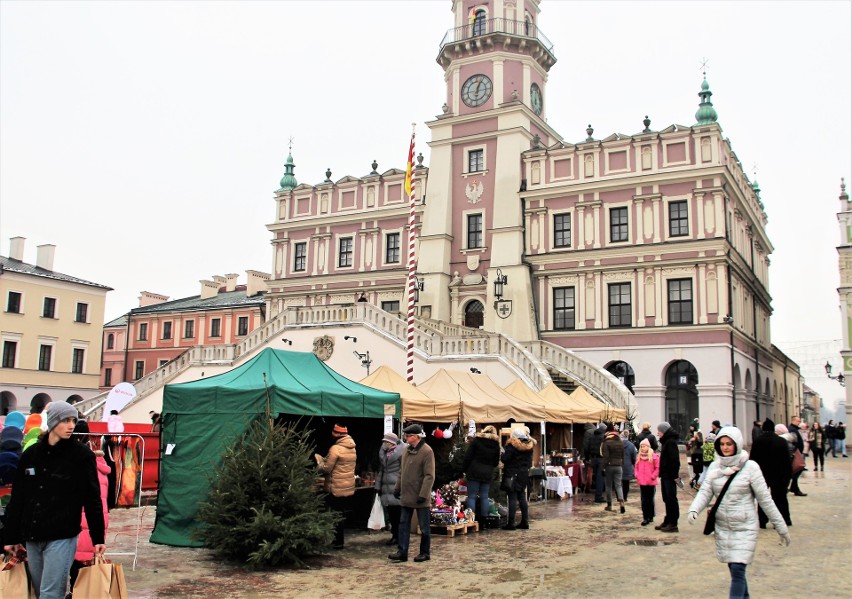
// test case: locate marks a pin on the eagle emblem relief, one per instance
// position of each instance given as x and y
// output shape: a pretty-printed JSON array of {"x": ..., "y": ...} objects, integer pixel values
[{"x": 473, "y": 191}]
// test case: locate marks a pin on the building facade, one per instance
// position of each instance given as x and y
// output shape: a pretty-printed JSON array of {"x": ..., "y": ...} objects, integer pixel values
[
  {"x": 844, "y": 251},
  {"x": 51, "y": 332},
  {"x": 151, "y": 335},
  {"x": 645, "y": 253}
]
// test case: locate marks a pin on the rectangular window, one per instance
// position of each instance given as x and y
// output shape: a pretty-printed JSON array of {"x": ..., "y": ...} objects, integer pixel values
[
  {"x": 13, "y": 304},
  {"x": 680, "y": 301},
  {"x": 143, "y": 331},
  {"x": 77, "y": 357},
  {"x": 107, "y": 377},
  {"x": 82, "y": 312},
  {"x": 474, "y": 230},
  {"x": 242, "y": 326},
  {"x": 344, "y": 255},
  {"x": 49, "y": 310},
  {"x": 562, "y": 230},
  {"x": 163, "y": 363},
  {"x": 392, "y": 248},
  {"x": 10, "y": 350},
  {"x": 392, "y": 307},
  {"x": 475, "y": 161},
  {"x": 167, "y": 330},
  {"x": 44, "y": 354},
  {"x": 618, "y": 224},
  {"x": 300, "y": 256},
  {"x": 678, "y": 219},
  {"x": 216, "y": 327},
  {"x": 189, "y": 329},
  {"x": 139, "y": 370},
  {"x": 619, "y": 305},
  {"x": 563, "y": 308}
]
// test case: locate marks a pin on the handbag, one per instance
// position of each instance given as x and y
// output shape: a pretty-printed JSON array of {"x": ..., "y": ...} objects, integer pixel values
[
  {"x": 377, "y": 516},
  {"x": 710, "y": 525},
  {"x": 101, "y": 580},
  {"x": 508, "y": 483},
  {"x": 798, "y": 462},
  {"x": 15, "y": 581}
]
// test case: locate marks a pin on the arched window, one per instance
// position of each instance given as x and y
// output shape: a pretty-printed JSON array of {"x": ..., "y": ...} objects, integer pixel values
[
  {"x": 623, "y": 372},
  {"x": 110, "y": 341},
  {"x": 681, "y": 395},
  {"x": 474, "y": 314},
  {"x": 528, "y": 24},
  {"x": 479, "y": 27}
]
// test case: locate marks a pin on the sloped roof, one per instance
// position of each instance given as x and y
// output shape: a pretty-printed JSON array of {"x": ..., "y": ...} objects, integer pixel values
[
  {"x": 121, "y": 321},
  {"x": 224, "y": 299},
  {"x": 23, "y": 268}
]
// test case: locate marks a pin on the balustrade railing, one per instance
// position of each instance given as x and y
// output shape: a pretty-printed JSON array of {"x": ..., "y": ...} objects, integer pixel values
[{"x": 483, "y": 27}]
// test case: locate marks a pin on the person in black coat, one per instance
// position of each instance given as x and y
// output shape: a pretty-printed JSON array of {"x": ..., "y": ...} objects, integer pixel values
[
  {"x": 482, "y": 457},
  {"x": 669, "y": 475},
  {"x": 517, "y": 460},
  {"x": 771, "y": 454},
  {"x": 647, "y": 434},
  {"x": 56, "y": 480},
  {"x": 597, "y": 461}
]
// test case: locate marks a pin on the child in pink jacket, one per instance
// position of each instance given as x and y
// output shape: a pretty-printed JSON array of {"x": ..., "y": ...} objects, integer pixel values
[{"x": 647, "y": 471}]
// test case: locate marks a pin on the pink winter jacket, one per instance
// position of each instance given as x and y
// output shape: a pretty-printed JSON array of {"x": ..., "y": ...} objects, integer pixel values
[
  {"x": 647, "y": 472},
  {"x": 85, "y": 548}
]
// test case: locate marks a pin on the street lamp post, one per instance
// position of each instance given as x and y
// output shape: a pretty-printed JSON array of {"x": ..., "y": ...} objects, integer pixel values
[{"x": 839, "y": 378}]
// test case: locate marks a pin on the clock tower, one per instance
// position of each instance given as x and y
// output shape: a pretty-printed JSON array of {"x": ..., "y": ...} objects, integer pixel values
[{"x": 496, "y": 62}]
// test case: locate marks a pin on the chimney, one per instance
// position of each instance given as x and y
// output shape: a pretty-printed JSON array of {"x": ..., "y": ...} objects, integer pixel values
[
  {"x": 231, "y": 281},
  {"x": 256, "y": 282},
  {"x": 149, "y": 299},
  {"x": 209, "y": 289},
  {"x": 220, "y": 280},
  {"x": 16, "y": 248},
  {"x": 44, "y": 257}
]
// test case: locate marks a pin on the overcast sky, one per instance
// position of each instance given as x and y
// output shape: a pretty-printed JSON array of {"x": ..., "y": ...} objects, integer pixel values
[{"x": 145, "y": 139}]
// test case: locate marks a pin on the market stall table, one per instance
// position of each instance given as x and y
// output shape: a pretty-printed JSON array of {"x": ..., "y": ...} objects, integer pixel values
[{"x": 561, "y": 485}]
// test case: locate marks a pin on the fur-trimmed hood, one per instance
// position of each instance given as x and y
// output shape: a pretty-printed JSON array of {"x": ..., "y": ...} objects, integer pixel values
[
  {"x": 520, "y": 444},
  {"x": 493, "y": 436}
]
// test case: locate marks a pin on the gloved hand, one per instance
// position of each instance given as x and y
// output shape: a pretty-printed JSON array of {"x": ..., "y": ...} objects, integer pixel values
[
  {"x": 692, "y": 517},
  {"x": 421, "y": 500},
  {"x": 396, "y": 493},
  {"x": 786, "y": 539}
]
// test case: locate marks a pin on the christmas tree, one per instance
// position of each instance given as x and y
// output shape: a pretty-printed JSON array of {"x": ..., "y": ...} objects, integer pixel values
[{"x": 263, "y": 508}]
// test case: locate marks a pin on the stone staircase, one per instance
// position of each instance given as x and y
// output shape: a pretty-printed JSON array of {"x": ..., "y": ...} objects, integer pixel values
[{"x": 534, "y": 362}]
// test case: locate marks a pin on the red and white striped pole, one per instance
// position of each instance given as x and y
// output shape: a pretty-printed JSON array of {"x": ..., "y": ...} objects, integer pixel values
[{"x": 412, "y": 263}]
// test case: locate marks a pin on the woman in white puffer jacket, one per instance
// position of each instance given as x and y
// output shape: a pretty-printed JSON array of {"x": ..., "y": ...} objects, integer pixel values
[{"x": 737, "y": 526}]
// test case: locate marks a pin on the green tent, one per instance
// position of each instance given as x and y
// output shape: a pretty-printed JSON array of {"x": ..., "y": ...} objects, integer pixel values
[{"x": 202, "y": 417}]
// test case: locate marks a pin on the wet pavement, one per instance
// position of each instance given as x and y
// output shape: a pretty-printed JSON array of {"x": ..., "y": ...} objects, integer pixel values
[{"x": 573, "y": 549}]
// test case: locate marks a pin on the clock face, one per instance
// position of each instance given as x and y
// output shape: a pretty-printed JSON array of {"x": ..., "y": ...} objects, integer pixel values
[
  {"x": 476, "y": 90},
  {"x": 536, "y": 98}
]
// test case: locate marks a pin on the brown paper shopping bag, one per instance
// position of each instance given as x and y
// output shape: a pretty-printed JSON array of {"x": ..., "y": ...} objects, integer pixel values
[
  {"x": 118, "y": 586},
  {"x": 15, "y": 582},
  {"x": 94, "y": 581}
]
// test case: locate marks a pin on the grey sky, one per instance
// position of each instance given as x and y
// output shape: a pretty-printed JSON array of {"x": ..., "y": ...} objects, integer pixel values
[{"x": 145, "y": 140}]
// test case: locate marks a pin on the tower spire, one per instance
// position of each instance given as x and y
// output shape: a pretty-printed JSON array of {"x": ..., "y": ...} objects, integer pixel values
[
  {"x": 288, "y": 181},
  {"x": 706, "y": 114}
]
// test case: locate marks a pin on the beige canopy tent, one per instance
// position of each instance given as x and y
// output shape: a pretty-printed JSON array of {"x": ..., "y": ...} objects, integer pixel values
[
  {"x": 416, "y": 405},
  {"x": 601, "y": 411},
  {"x": 581, "y": 410},
  {"x": 481, "y": 398},
  {"x": 556, "y": 410}
]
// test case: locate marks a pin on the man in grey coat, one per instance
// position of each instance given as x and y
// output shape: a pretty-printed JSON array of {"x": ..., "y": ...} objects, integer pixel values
[{"x": 414, "y": 491}]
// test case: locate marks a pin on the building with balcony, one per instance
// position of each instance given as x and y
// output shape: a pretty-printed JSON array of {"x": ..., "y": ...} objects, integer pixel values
[
  {"x": 50, "y": 326},
  {"x": 644, "y": 253}
]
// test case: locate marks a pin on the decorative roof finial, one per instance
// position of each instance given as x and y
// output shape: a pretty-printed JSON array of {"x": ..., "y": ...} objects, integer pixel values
[
  {"x": 327, "y": 175},
  {"x": 375, "y": 165},
  {"x": 647, "y": 123},
  {"x": 843, "y": 194},
  {"x": 706, "y": 114},
  {"x": 419, "y": 160},
  {"x": 589, "y": 132},
  {"x": 288, "y": 181}
]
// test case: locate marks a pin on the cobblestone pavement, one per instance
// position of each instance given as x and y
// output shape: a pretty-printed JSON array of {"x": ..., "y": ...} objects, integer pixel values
[{"x": 573, "y": 549}]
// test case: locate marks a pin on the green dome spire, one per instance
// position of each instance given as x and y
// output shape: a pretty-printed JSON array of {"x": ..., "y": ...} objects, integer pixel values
[
  {"x": 706, "y": 114},
  {"x": 288, "y": 181}
]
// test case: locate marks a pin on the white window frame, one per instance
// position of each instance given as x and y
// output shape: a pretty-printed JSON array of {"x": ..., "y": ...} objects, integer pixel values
[
  {"x": 51, "y": 341},
  {"x": 466, "y": 150},
  {"x": 385, "y": 247},
  {"x": 15, "y": 338}
]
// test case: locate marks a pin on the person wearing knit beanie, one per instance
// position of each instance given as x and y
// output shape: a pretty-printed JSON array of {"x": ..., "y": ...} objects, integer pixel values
[
  {"x": 663, "y": 427},
  {"x": 669, "y": 475},
  {"x": 770, "y": 452},
  {"x": 43, "y": 514},
  {"x": 338, "y": 467}
]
